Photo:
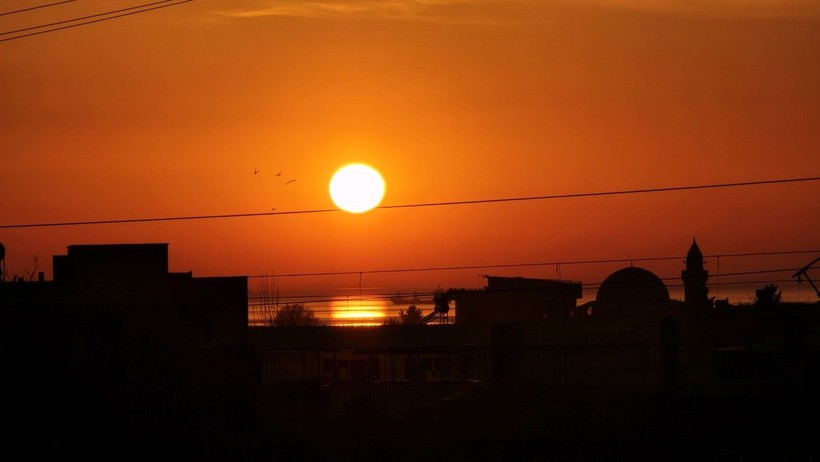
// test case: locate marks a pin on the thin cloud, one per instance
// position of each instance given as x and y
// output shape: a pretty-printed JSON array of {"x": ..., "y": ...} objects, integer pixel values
[
  {"x": 511, "y": 11},
  {"x": 717, "y": 8},
  {"x": 412, "y": 9},
  {"x": 448, "y": 11}
]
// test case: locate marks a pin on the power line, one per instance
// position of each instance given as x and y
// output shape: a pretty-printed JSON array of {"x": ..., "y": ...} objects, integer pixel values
[
  {"x": 388, "y": 296},
  {"x": 139, "y": 9},
  {"x": 524, "y": 264},
  {"x": 325, "y": 298},
  {"x": 22, "y": 10},
  {"x": 325, "y": 308},
  {"x": 323, "y": 302},
  {"x": 416, "y": 205},
  {"x": 605, "y": 193},
  {"x": 81, "y": 18},
  {"x": 745, "y": 273},
  {"x": 178, "y": 218}
]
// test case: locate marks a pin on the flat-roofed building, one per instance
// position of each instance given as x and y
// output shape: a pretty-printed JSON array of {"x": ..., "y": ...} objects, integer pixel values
[{"x": 516, "y": 299}]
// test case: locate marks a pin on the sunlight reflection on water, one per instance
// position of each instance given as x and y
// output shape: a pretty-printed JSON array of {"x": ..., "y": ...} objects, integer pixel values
[
  {"x": 361, "y": 311},
  {"x": 343, "y": 311}
]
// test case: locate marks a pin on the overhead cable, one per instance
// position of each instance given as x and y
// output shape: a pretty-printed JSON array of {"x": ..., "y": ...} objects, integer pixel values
[
  {"x": 100, "y": 18},
  {"x": 519, "y": 265},
  {"x": 23, "y": 10},
  {"x": 418, "y": 205}
]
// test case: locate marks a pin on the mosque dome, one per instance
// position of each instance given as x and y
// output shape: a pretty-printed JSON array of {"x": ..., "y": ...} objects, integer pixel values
[{"x": 629, "y": 294}]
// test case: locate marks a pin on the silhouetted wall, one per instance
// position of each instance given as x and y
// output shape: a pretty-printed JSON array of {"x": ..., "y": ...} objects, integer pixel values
[
  {"x": 516, "y": 299},
  {"x": 143, "y": 353}
]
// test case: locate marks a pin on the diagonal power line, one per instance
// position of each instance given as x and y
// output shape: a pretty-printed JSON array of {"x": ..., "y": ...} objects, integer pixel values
[
  {"x": 100, "y": 18},
  {"x": 420, "y": 205},
  {"x": 606, "y": 193},
  {"x": 23, "y": 10},
  {"x": 532, "y": 264}
]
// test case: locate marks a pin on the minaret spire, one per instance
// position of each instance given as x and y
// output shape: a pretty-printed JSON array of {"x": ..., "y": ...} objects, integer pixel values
[
  {"x": 694, "y": 258},
  {"x": 694, "y": 277}
]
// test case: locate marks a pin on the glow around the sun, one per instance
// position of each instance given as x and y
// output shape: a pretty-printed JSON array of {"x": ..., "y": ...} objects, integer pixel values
[{"x": 357, "y": 188}]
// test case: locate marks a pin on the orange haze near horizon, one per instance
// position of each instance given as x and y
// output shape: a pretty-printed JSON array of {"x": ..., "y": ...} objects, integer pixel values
[{"x": 171, "y": 112}]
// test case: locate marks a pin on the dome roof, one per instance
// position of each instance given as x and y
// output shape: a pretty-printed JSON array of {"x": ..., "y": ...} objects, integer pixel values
[{"x": 629, "y": 292}]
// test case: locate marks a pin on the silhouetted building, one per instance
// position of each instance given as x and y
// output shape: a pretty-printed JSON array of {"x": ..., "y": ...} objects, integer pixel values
[
  {"x": 696, "y": 294},
  {"x": 516, "y": 299},
  {"x": 140, "y": 352},
  {"x": 121, "y": 357}
]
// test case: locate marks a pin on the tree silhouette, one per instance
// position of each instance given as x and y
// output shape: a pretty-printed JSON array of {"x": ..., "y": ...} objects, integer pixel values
[
  {"x": 35, "y": 267},
  {"x": 411, "y": 316},
  {"x": 769, "y": 295},
  {"x": 14, "y": 277},
  {"x": 268, "y": 301},
  {"x": 294, "y": 315}
]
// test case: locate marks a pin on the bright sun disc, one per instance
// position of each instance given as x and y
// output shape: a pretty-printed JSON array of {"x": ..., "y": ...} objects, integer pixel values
[{"x": 356, "y": 188}]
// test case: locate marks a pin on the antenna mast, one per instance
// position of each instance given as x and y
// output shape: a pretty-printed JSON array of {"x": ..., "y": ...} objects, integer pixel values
[
  {"x": 804, "y": 272},
  {"x": 2, "y": 262}
]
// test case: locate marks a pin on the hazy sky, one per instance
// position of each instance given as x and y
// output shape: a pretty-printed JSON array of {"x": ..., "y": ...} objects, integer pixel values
[{"x": 170, "y": 112}]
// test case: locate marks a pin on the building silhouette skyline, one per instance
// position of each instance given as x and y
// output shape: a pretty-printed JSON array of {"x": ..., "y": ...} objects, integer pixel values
[{"x": 166, "y": 361}]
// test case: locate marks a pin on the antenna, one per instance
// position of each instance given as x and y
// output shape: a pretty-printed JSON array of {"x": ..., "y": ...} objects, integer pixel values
[
  {"x": 2, "y": 262},
  {"x": 804, "y": 272}
]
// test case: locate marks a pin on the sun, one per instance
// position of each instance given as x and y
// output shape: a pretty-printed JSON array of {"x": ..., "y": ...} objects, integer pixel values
[{"x": 356, "y": 188}]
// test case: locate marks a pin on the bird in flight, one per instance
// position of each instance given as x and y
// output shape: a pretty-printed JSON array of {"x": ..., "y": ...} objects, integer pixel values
[
  {"x": 289, "y": 182},
  {"x": 279, "y": 174},
  {"x": 255, "y": 171}
]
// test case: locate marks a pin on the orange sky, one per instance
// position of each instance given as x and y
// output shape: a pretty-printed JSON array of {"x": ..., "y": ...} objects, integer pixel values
[{"x": 169, "y": 112}]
